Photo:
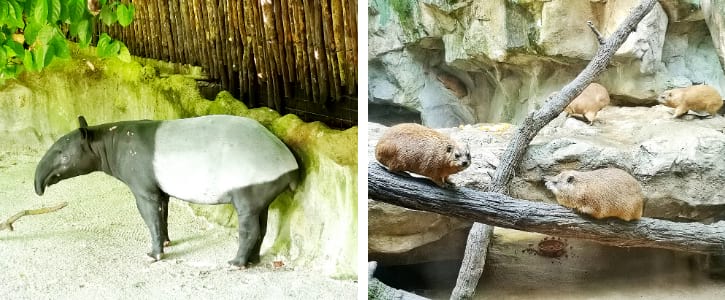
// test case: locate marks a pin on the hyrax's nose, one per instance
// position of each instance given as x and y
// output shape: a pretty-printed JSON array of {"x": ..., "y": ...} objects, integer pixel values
[{"x": 466, "y": 163}]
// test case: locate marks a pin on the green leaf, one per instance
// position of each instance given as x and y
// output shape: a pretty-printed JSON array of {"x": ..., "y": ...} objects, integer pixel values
[
  {"x": 45, "y": 34},
  {"x": 59, "y": 45},
  {"x": 31, "y": 32},
  {"x": 5, "y": 12},
  {"x": 3, "y": 57},
  {"x": 124, "y": 55},
  {"x": 31, "y": 61},
  {"x": 10, "y": 71},
  {"x": 82, "y": 30},
  {"x": 65, "y": 11},
  {"x": 18, "y": 10},
  {"x": 108, "y": 16},
  {"x": 105, "y": 47},
  {"x": 125, "y": 14},
  {"x": 54, "y": 8},
  {"x": 11, "y": 14},
  {"x": 15, "y": 49},
  {"x": 38, "y": 11},
  {"x": 77, "y": 10},
  {"x": 48, "y": 55}
]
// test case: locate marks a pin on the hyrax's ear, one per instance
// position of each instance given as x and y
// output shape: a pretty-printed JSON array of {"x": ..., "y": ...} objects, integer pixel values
[
  {"x": 449, "y": 148},
  {"x": 83, "y": 127},
  {"x": 570, "y": 179}
]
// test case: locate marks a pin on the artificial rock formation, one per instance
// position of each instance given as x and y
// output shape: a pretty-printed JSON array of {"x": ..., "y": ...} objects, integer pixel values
[
  {"x": 677, "y": 161},
  {"x": 501, "y": 59}
]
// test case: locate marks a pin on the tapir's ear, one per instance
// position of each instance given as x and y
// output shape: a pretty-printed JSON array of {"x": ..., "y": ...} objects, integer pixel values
[
  {"x": 83, "y": 127},
  {"x": 82, "y": 122}
]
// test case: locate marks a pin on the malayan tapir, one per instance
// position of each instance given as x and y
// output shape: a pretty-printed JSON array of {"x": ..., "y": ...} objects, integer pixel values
[{"x": 207, "y": 160}]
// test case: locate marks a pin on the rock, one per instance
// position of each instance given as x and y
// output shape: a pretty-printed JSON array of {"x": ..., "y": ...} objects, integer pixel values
[
  {"x": 644, "y": 45},
  {"x": 714, "y": 13},
  {"x": 678, "y": 161},
  {"x": 395, "y": 229},
  {"x": 564, "y": 29},
  {"x": 683, "y": 10},
  {"x": 511, "y": 55}
]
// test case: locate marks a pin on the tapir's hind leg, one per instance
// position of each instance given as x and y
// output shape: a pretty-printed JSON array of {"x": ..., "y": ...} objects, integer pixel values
[
  {"x": 149, "y": 205},
  {"x": 252, "y": 204},
  {"x": 248, "y": 235},
  {"x": 164, "y": 215},
  {"x": 254, "y": 256}
]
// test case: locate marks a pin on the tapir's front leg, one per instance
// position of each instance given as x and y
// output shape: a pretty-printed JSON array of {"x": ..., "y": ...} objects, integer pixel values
[{"x": 149, "y": 205}]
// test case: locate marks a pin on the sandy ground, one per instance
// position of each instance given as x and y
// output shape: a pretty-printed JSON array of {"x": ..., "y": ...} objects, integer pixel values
[
  {"x": 587, "y": 271},
  {"x": 95, "y": 248}
]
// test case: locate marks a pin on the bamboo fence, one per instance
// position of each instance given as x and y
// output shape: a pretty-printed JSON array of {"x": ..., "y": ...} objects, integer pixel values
[{"x": 265, "y": 51}]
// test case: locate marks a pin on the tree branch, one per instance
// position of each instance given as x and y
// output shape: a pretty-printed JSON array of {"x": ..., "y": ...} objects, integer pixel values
[
  {"x": 600, "y": 39},
  {"x": 500, "y": 210},
  {"x": 8, "y": 224}
]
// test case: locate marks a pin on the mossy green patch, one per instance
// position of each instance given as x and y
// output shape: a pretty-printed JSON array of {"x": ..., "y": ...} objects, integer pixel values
[{"x": 406, "y": 11}]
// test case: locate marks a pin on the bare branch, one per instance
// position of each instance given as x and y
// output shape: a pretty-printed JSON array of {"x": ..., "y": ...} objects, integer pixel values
[
  {"x": 8, "y": 224},
  {"x": 600, "y": 39},
  {"x": 500, "y": 210}
]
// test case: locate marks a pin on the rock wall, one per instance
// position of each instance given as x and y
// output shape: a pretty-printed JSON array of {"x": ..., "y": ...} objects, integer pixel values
[
  {"x": 463, "y": 62},
  {"x": 314, "y": 227}
]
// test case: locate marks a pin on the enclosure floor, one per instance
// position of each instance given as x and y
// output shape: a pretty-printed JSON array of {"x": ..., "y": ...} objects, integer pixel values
[
  {"x": 588, "y": 271},
  {"x": 96, "y": 248}
]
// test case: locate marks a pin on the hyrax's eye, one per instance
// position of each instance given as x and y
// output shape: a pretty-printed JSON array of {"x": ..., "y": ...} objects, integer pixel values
[{"x": 458, "y": 155}]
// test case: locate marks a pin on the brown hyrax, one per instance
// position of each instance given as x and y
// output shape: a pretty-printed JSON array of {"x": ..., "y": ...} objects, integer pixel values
[
  {"x": 421, "y": 150},
  {"x": 698, "y": 98},
  {"x": 600, "y": 193},
  {"x": 592, "y": 99}
]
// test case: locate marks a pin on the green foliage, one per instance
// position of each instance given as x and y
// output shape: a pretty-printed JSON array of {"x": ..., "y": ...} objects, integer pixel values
[
  {"x": 33, "y": 32},
  {"x": 108, "y": 47}
]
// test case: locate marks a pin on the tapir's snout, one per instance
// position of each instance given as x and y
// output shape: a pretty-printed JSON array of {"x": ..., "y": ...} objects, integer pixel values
[
  {"x": 40, "y": 176},
  {"x": 39, "y": 189}
]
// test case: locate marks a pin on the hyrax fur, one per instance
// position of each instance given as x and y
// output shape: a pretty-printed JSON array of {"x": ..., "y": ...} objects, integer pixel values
[
  {"x": 698, "y": 98},
  {"x": 592, "y": 99},
  {"x": 421, "y": 150},
  {"x": 600, "y": 193}
]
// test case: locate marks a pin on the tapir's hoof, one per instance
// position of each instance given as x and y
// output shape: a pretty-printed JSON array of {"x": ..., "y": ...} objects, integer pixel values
[
  {"x": 238, "y": 264},
  {"x": 156, "y": 257},
  {"x": 167, "y": 243},
  {"x": 254, "y": 260}
]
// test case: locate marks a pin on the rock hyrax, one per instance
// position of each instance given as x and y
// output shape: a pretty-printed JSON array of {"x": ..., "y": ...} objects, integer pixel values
[
  {"x": 415, "y": 148},
  {"x": 698, "y": 98},
  {"x": 600, "y": 193},
  {"x": 592, "y": 99}
]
